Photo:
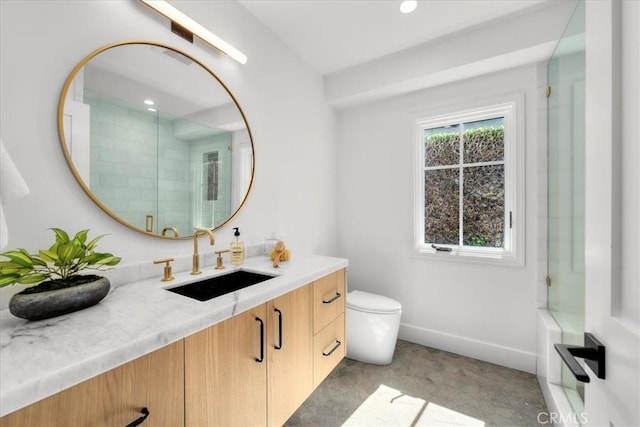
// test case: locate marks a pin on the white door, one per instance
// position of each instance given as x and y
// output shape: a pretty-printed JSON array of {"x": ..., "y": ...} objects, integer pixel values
[
  {"x": 613, "y": 209},
  {"x": 76, "y": 125}
]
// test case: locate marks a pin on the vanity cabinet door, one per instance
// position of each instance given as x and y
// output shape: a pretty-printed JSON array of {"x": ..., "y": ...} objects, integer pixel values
[
  {"x": 290, "y": 353},
  {"x": 116, "y": 398},
  {"x": 225, "y": 372}
]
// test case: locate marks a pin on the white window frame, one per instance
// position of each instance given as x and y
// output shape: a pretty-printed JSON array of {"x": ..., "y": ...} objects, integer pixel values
[{"x": 512, "y": 109}]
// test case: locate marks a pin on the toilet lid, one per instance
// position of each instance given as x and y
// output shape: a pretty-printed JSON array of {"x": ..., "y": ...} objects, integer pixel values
[{"x": 364, "y": 301}]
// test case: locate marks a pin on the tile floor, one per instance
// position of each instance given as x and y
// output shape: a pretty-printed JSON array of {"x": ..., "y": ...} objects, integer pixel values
[{"x": 423, "y": 386}]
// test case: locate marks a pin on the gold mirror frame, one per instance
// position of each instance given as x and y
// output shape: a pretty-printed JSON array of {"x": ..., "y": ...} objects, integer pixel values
[{"x": 74, "y": 170}]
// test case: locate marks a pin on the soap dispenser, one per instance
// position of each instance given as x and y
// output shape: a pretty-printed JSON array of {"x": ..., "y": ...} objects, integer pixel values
[{"x": 237, "y": 249}]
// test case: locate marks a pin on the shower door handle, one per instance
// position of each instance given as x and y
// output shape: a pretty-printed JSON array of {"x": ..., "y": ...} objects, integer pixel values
[{"x": 593, "y": 353}]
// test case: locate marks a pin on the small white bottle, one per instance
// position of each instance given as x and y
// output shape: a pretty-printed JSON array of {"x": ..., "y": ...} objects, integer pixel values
[{"x": 237, "y": 249}]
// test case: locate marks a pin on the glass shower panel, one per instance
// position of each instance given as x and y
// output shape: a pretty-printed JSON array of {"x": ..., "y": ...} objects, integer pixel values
[
  {"x": 195, "y": 174},
  {"x": 124, "y": 158},
  {"x": 566, "y": 191}
]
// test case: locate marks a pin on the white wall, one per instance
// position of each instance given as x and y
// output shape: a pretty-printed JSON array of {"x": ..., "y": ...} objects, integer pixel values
[
  {"x": 293, "y": 129},
  {"x": 483, "y": 311}
]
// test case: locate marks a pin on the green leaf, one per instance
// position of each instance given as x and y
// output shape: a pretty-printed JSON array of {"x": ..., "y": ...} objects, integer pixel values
[
  {"x": 115, "y": 260},
  {"x": 107, "y": 260},
  {"x": 90, "y": 259},
  {"x": 8, "y": 279},
  {"x": 61, "y": 235},
  {"x": 92, "y": 244},
  {"x": 19, "y": 257},
  {"x": 81, "y": 236},
  {"x": 10, "y": 267},
  {"x": 65, "y": 253},
  {"x": 9, "y": 264},
  {"x": 78, "y": 252},
  {"x": 48, "y": 256},
  {"x": 32, "y": 278}
]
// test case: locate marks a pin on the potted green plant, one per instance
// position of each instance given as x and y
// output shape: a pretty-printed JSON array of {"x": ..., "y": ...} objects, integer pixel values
[{"x": 55, "y": 272}]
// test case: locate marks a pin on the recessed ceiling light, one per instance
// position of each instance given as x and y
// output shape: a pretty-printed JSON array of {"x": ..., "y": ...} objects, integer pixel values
[
  {"x": 408, "y": 6},
  {"x": 148, "y": 102}
]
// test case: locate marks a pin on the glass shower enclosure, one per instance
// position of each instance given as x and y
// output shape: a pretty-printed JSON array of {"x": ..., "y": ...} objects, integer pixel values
[{"x": 566, "y": 191}]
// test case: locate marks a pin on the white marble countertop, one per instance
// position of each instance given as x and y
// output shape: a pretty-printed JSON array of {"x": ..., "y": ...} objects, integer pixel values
[{"x": 41, "y": 358}]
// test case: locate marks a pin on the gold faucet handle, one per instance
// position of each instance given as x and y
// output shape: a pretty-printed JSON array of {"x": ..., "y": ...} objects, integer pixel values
[
  {"x": 219, "y": 264},
  {"x": 167, "y": 268}
]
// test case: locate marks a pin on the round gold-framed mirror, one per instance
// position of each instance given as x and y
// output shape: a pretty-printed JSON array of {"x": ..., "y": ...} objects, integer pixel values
[{"x": 156, "y": 139}]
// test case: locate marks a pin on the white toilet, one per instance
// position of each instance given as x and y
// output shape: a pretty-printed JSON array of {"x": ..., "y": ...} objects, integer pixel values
[{"x": 372, "y": 327}]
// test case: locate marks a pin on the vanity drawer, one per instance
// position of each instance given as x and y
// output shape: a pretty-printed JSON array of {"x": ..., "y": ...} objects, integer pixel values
[
  {"x": 328, "y": 349},
  {"x": 328, "y": 299}
]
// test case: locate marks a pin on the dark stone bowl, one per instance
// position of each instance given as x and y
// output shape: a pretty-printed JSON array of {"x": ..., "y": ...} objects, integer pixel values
[{"x": 51, "y": 303}]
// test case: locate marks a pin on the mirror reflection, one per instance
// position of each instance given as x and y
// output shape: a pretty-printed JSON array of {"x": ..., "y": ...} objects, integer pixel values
[{"x": 155, "y": 139}]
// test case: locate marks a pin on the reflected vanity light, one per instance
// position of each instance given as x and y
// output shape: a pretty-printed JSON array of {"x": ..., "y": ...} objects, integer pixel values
[
  {"x": 153, "y": 110},
  {"x": 408, "y": 6},
  {"x": 189, "y": 24}
]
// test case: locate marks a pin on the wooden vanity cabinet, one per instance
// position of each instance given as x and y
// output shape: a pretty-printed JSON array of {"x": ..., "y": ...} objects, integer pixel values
[
  {"x": 254, "y": 369},
  {"x": 226, "y": 381},
  {"x": 115, "y": 398},
  {"x": 225, "y": 372}
]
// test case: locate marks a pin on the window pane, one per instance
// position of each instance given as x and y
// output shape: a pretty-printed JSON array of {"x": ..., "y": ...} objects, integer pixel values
[
  {"x": 442, "y": 146},
  {"x": 210, "y": 176},
  {"x": 484, "y": 206},
  {"x": 484, "y": 141},
  {"x": 442, "y": 206}
]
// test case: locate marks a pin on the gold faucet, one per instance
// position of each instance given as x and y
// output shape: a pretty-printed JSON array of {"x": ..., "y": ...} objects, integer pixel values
[
  {"x": 175, "y": 231},
  {"x": 196, "y": 258}
]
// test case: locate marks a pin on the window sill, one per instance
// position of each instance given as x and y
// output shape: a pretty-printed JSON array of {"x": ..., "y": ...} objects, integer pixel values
[{"x": 470, "y": 256}]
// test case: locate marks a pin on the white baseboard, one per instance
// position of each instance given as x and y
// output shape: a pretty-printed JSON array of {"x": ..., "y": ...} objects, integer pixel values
[{"x": 481, "y": 350}]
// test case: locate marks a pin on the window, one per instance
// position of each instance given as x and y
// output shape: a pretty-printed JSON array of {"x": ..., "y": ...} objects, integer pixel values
[
  {"x": 469, "y": 199},
  {"x": 210, "y": 176}
]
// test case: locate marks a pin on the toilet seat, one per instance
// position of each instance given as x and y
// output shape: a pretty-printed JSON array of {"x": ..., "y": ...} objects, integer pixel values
[{"x": 372, "y": 303}]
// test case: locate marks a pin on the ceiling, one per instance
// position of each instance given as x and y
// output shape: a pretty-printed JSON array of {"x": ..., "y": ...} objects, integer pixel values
[{"x": 333, "y": 35}]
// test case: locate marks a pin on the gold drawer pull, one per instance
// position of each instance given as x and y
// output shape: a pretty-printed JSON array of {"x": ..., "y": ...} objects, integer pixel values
[
  {"x": 335, "y": 297},
  {"x": 334, "y": 348}
]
